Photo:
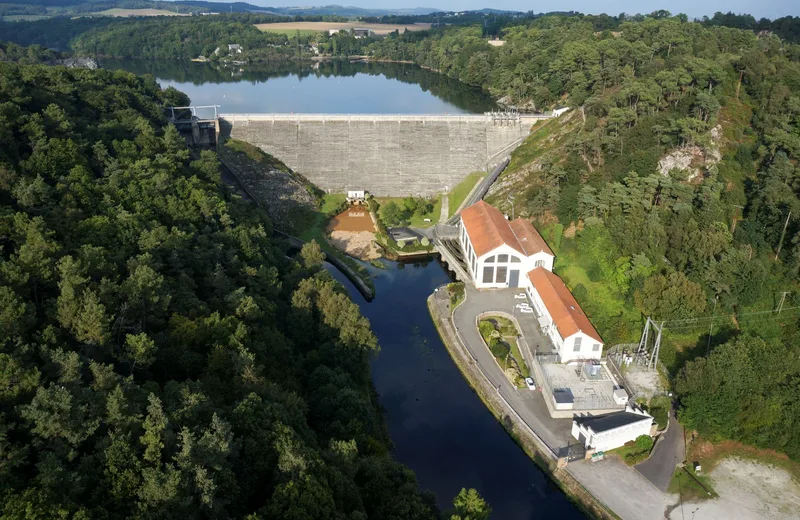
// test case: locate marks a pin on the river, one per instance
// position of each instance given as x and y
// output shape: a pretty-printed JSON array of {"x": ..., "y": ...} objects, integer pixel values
[{"x": 439, "y": 427}]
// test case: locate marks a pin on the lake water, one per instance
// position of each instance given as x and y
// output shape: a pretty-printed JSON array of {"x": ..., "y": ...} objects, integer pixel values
[
  {"x": 336, "y": 87},
  {"x": 439, "y": 427}
]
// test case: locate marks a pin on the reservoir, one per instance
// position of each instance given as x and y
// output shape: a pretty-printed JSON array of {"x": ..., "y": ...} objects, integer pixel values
[
  {"x": 326, "y": 87},
  {"x": 438, "y": 426}
]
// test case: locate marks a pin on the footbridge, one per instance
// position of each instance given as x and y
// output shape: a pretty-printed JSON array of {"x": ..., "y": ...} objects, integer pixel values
[{"x": 385, "y": 154}]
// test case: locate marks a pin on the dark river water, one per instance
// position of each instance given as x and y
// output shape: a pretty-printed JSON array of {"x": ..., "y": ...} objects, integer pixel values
[{"x": 439, "y": 427}]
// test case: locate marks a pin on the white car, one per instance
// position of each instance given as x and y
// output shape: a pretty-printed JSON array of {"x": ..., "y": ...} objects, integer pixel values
[
  {"x": 530, "y": 384},
  {"x": 526, "y": 310},
  {"x": 520, "y": 296}
]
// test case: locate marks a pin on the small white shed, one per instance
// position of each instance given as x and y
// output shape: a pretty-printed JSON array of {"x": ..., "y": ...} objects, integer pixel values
[{"x": 607, "y": 432}]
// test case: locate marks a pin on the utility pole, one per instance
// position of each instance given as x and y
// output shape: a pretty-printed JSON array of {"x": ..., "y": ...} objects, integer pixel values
[
  {"x": 783, "y": 234},
  {"x": 780, "y": 304},
  {"x": 711, "y": 328}
]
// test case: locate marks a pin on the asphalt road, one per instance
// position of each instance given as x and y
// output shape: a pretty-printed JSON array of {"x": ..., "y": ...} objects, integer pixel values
[
  {"x": 668, "y": 452},
  {"x": 529, "y": 405}
]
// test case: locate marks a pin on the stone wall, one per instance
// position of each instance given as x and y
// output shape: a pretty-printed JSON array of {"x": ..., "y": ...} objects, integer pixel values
[{"x": 386, "y": 155}]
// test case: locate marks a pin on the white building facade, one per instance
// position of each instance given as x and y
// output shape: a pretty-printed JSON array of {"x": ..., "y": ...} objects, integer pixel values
[
  {"x": 561, "y": 318},
  {"x": 497, "y": 252},
  {"x": 608, "y": 432}
]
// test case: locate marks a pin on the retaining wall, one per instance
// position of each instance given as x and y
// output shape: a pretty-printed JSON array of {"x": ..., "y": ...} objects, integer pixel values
[{"x": 387, "y": 155}]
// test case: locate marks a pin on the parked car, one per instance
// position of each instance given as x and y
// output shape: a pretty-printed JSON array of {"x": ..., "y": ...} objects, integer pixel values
[
  {"x": 530, "y": 384},
  {"x": 521, "y": 296},
  {"x": 526, "y": 310}
]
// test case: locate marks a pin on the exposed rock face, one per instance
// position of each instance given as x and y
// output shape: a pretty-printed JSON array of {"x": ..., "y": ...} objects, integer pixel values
[
  {"x": 694, "y": 159},
  {"x": 78, "y": 63}
]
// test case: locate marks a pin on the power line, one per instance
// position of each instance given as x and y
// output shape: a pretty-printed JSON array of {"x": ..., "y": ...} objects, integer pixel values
[{"x": 729, "y": 316}]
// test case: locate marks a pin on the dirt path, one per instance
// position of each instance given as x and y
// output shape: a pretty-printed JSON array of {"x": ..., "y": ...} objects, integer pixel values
[{"x": 747, "y": 490}]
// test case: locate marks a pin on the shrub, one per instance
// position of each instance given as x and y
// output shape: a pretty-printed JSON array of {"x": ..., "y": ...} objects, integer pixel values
[
  {"x": 499, "y": 348},
  {"x": 486, "y": 330},
  {"x": 644, "y": 443}
]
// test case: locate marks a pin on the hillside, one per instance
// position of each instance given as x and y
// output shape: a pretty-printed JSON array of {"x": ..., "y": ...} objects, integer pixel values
[{"x": 161, "y": 357}]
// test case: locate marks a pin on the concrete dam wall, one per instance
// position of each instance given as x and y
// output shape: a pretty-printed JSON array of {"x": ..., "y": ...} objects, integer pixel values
[{"x": 387, "y": 155}]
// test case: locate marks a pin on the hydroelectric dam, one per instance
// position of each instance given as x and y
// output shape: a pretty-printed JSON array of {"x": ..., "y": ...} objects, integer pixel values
[{"x": 384, "y": 154}]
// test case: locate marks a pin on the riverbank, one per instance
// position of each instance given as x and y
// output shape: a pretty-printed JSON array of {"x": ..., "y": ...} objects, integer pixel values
[{"x": 440, "y": 311}]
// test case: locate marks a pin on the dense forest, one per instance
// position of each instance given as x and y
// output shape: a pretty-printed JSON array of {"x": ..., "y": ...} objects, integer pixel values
[{"x": 161, "y": 357}]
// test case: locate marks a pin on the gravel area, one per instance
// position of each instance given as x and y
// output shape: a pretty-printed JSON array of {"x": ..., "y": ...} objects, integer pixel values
[
  {"x": 747, "y": 490},
  {"x": 358, "y": 244}
]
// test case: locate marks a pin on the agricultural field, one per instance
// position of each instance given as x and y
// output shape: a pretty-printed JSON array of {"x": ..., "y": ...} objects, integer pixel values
[
  {"x": 137, "y": 12},
  {"x": 307, "y": 27}
]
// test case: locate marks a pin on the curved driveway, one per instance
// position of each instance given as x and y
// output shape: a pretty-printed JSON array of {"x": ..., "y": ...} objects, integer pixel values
[{"x": 529, "y": 405}]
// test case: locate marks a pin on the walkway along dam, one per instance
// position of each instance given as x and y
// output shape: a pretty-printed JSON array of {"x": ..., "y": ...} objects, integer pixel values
[{"x": 387, "y": 155}]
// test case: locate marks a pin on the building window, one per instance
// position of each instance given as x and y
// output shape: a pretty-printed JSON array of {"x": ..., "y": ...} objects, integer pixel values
[
  {"x": 539, "y": 263},
  {"x": 596, "y": 347},
  {"x": 489, "y": 260},
  {"x": 503, "y": 259},
  {"x": 577, "y": 347},
  {"x": 515, "y": 260},
  {"x": 474, "y": 267},
  {"x": 488, "y": 274},
  {"x": 501, "y": 274}
]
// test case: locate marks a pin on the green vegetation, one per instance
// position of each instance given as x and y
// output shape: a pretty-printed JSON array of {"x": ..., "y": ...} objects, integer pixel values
[
  {"x": 744, "y": 390},
  {"x": 462, "y": 190},
  {"x": 690, "y": 486},
  {"x": 161, "y": 356},
  {"x": 634, "y": 452},
  {"x": 409, "y": 211},
  {"x": 500, "y": 334},
  {"x": 457, "y": 293},
  {"x": 385, "y": 240},
  {"x": 659, "y": 407}
]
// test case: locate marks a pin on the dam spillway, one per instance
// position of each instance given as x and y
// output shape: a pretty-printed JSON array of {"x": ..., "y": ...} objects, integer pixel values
[{"x": 385, "y": 154}]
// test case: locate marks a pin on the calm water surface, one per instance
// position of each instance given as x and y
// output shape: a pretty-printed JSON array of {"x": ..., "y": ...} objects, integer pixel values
[
  {"x": 336, "y": 87},
  {"x": 439, "y": 427}
]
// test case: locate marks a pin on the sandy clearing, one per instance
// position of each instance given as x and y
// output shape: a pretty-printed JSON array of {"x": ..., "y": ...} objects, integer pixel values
[
  {"x": 747, "y": 490},
  {"x": 359, "y": 244},
  {"x": 137, "y": 12},
  {"x": 354, "y": 218},
  {"x": 379, "y": 28}
]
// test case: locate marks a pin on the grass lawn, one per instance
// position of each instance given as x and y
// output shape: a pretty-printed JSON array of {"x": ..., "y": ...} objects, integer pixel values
[
  {"x": 460, "y": 191},
  {"x": 690, "y": 486},
  {"x": 414, "y": 220},
  {"x": 314, "y": 227}
]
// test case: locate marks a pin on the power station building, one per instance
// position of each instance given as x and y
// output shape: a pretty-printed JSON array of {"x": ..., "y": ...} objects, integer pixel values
[{"x": 500, "y": 253}]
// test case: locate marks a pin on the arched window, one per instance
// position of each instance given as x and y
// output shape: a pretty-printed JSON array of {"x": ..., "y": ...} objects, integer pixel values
[
  {"x": 515, "y": 259},
  {"x": 489, "y": 260}
]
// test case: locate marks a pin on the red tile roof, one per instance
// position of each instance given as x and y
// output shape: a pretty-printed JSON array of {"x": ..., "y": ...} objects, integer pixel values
[
  {"x": 488, "y": 229},
  {"x": 562, "y": 306}
]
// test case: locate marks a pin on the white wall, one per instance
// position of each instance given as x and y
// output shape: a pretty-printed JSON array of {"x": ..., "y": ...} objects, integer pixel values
[
  {"x": 478, "y": 264},
  {"x": 612, "y": 439},
  {"x": 587, "y": 348}
]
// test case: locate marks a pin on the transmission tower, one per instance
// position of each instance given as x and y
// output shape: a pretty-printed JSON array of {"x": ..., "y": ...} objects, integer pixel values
[{"x": 641, "y": 353}]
